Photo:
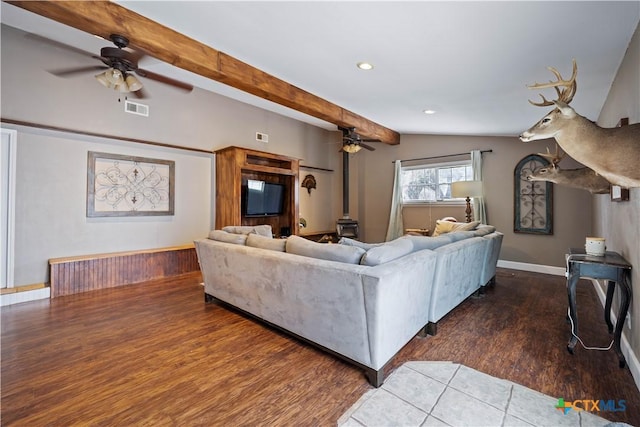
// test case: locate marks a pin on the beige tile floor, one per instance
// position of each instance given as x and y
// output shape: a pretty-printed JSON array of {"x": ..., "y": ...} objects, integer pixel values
[{"x": 450, "y": 394}]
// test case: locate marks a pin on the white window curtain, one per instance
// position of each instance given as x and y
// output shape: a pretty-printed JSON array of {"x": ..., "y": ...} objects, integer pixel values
[
  {"x": 479, "y": 212},
  {"x": 396, "y": 227}
]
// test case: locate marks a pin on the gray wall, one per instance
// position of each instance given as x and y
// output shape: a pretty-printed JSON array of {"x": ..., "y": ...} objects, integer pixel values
[
  {"x": 52, "y": 166},
  {"x": 572, "y": 208},
  {"x": 619, "y": 222}
]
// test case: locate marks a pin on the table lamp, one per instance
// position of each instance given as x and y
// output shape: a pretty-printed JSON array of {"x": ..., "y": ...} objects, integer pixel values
[{"x": 466, "y": 189}]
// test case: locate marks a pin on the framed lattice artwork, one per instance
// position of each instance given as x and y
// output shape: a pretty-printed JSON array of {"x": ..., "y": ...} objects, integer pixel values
[
  {"x": 129, "y": 186},
  {"x": 533, "y": 200}
]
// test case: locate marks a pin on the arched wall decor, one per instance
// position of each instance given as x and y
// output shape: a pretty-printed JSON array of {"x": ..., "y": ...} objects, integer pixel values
[{"x": 533, "y": 200}]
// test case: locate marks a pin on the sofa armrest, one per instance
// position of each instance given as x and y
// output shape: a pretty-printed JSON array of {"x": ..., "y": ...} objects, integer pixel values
[{"x": 397, "y": 300}]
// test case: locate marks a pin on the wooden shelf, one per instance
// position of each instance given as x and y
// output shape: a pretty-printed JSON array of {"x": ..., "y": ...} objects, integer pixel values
[{"x": 236, "y": 165}]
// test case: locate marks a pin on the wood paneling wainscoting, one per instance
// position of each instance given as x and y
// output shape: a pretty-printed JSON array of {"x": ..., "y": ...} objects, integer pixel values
[{"x": 72, "y": 275}]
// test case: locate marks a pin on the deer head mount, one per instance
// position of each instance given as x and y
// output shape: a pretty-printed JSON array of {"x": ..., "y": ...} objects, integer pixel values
[
  {"x": 555, "y": 158},
  {"x": 613, "y": 153},
  {"x": 582, "y": 178},
  {"x": 564, "y": 95}
]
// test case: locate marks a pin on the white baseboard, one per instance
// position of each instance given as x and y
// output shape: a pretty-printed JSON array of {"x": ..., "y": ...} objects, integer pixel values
[
  {"x": 535, "y": 268},
  {"x": 632, "y": 359},
  {"x": 24, "y": 296}
]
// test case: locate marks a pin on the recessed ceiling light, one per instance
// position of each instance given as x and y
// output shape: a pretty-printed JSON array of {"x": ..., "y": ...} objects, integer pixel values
[
  {"x": 429, "y": 111},
  {"x": 365, "y": 66}
]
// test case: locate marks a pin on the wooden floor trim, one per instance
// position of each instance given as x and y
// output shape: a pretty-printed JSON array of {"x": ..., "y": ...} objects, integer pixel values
[{"x": 25, "y": 288}]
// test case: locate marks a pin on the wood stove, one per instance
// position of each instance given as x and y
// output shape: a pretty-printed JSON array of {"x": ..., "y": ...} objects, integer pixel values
[{"x": 347, "y": 227}]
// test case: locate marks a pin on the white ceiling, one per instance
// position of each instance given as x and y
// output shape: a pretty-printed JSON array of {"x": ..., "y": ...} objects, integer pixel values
[{"x": 469, "y": 61}]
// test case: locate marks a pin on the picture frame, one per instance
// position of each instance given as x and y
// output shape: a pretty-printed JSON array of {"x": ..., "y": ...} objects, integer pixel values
[
  {"x": 122, "y": 186},
  {"x": 619, "y": 194}
]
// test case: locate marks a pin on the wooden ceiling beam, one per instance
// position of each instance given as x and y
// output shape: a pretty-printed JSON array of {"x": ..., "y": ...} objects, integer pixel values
[{"x": 104, "y": 18}]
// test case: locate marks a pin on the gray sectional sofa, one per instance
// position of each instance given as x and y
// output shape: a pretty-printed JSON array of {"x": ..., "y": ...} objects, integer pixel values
[{"x": 360, "y": 302}]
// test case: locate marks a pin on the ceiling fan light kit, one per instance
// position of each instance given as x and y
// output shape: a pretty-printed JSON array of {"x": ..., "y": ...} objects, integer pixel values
[
  {"x": 118, "y": 68},
  {"x": 351, "y": 148},
  {"x": 117, "y": 80},
  {"x": 352, "y": 142}
]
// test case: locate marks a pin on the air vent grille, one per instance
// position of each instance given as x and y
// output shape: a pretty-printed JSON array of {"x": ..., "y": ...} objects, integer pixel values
[
  {"x": 136, "y": 108},
  {"x": 262, "y": 137}
]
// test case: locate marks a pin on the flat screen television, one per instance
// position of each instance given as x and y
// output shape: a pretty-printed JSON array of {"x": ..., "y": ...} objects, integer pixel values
[{"x": 263, "y": 198}]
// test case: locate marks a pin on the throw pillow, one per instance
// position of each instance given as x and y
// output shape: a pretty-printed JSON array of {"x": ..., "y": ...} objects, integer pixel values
[
  {"x": 484, "y": 229},
  {"x": 342, "y": 253},
  {"x": 263, "y": 230},
  {"x": 223, "y": 236},
  {"x": 443, "y": 227},
  {"x": 423, "y": 242},
  {"x": 258, "y": 241}
]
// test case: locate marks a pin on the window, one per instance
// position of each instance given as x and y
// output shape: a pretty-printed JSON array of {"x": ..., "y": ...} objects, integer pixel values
[{"x": 432, "y": 183}]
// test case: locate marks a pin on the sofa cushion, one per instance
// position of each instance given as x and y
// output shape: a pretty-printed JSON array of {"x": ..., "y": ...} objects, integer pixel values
[
  {"x": 352, "y": 242},
  {"x": 484, "y": 229},
  {"x": 223, "y": 236},
  {"x": 424, "y": 242},
  {"x": 263, "y": 230},
  {"x": 342, "y": 253},
  {"x": 461, "y": 235},
  {"x": 443, "y": 227},
  {"x": 262, "y": 242},
  {"x": 387, "y": 252}
]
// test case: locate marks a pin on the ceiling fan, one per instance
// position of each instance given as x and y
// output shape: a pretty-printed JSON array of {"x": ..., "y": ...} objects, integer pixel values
[
  {"x": 352, "y": 142},
  {"x": 119, "y": 67}
]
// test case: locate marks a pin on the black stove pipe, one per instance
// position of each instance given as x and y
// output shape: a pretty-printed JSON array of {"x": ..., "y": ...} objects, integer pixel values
[{"x": 345, "y": 184}]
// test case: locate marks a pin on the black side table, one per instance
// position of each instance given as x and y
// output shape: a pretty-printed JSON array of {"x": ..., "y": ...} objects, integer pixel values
[{"x": 611, "y": 267}]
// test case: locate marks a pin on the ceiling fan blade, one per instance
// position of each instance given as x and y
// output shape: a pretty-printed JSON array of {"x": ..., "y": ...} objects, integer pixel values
[
  {"x": 77, "y": 70},
  {"x": 370, "y": 140},
  {"x": 136, "y": 55},
  {"x": 56, "y": 44},
  {"x": 367, "y": 147},
  {"x": 164, "y": 79}
]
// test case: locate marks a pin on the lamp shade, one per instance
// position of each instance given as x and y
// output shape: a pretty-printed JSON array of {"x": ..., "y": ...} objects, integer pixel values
[
  {"x": 111, "y": 78},
  {"x": 133, "y": 83},
  {"x": 103, "y": 80},
  {"x": 122, "y": 87},
  {"x": 114, "y": 76},
  {"x": 463, "y": 189}
]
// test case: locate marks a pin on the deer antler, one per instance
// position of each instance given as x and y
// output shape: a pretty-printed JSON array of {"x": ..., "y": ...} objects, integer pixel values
[
  {"x": 564, "y": 95},
  {"x": 554, "y": 158}
]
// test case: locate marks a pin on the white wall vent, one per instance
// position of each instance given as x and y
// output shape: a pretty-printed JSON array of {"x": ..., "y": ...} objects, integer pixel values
[
  {"x": 262, "y": 137},
  {"x": 136, "y": 108}
]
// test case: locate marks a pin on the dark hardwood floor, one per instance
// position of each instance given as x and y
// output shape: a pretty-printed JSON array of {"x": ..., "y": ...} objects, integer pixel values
[{"x": 155, "y": 354}]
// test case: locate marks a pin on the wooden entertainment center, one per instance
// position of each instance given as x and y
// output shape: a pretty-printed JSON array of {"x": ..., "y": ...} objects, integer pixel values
[{"x": 235, "y": 166}]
